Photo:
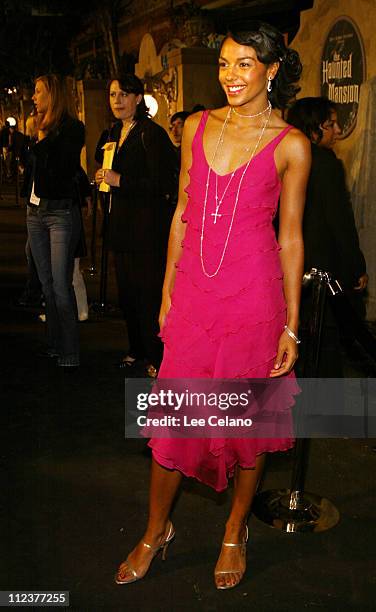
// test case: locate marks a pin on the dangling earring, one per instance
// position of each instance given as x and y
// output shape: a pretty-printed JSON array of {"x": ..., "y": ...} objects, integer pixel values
[{"x": 269, "y": 85}]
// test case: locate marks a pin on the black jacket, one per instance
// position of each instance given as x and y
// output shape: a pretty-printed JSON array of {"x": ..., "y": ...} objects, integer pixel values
[
  {"x": 54, "y": 162},
  {"x": 143, "y": 206},
  {"x": 330, "y": 237}
]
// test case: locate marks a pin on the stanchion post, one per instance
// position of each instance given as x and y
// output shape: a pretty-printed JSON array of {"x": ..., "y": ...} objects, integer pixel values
[
  {"x": 311, "y": 362},
  {"x": 295, "y": 510}
]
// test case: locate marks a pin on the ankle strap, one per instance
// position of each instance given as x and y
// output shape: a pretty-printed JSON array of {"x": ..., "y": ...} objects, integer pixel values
[
  {"x": 167, "y": 538},
  {"x": 245, "y": 540}
]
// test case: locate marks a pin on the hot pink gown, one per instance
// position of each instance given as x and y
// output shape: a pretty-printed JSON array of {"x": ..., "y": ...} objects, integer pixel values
[{"x": 227, "y": 326}]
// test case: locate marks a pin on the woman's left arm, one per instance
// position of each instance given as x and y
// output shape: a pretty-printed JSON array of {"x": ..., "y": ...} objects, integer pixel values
[{"x": 297, "y": 153}]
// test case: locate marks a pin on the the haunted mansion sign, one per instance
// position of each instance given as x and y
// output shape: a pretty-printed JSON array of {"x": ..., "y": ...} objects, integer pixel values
[{"x": 343, "y": 70}]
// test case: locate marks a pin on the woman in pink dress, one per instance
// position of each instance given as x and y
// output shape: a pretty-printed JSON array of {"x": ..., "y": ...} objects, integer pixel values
[{"x": 231, "y": 294}]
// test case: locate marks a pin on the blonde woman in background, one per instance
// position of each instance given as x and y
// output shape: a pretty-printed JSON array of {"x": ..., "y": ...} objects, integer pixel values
[{"x": 53, "y": 216}]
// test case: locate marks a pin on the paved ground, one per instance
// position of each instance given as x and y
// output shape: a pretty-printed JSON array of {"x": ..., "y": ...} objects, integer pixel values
[{"x": 76, "y": 490}]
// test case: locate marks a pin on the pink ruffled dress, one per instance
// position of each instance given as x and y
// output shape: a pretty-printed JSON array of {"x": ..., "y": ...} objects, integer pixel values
[{"x": 227, "y": 326}]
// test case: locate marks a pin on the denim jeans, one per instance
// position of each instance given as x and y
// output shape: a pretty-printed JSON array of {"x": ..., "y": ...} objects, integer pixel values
[
  {"x": 53, "y": 236},
  {"x": 32, "y": 293}
]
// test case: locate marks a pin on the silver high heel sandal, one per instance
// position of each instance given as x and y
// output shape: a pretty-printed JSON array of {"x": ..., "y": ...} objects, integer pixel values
[
  {"x": 242, "y": 546},
  {"x": 135, "y": 576}
]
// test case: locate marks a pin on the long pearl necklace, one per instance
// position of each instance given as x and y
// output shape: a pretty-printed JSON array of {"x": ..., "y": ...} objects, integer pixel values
[{"x": 218, "y": 201}]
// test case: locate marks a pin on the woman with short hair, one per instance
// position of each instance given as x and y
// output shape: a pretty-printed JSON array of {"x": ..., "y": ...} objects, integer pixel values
[{"x": 331, "y": 241}]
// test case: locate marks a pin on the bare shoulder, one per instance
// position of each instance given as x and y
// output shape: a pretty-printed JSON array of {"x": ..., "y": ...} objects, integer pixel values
[
  {"x": 192, "y": 121},
  {"x": 296, "y": 146},
  {"x": 293, "y": 155},
  {"x": 295, "y": 139},
  {"x": 190, "y": 127}
]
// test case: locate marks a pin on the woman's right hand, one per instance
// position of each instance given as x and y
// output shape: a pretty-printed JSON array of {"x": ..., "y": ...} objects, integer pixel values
[
  {"x": 165, "y": 307},
  {"x": 99, "y": 175},
  {"x": 108, "y": 176}
]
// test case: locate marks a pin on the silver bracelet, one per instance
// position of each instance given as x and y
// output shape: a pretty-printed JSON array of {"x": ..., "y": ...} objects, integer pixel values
[{"x": 292, "y": 335}]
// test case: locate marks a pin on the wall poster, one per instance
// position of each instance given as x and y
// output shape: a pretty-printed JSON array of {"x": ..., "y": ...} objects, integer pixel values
[{"x": 343, "y": 70}]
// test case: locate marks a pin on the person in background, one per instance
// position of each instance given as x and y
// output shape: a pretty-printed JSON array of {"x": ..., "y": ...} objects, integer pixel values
[
  {"x": 331, "y": 240},
  {"x": 4, "y": 143},
  {"x": 17, "y": 150},
  {"x": 176, "y": 128},
  {"x": 142, "y": 181},
  {"x": 32, "y": 295},
  {"x": 86, "y": 205},
  {"x": 13, "y": 145},
  {"x": 53, "y": 215}
]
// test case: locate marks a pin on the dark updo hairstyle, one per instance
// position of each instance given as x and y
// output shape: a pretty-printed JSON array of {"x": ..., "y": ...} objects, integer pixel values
[
  {"x": 270, "y": 47},
  {"x": 308, "y": 115},
  {"x": 131, "y": 84}
]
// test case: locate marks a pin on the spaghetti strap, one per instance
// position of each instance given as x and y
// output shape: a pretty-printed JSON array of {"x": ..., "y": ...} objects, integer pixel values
[
  {"x": 201, "y": 126},
  {"x": 204, "y": 118}
]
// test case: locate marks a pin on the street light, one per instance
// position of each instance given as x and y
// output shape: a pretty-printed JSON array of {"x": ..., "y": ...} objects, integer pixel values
[{"x": 152, "y": 104}]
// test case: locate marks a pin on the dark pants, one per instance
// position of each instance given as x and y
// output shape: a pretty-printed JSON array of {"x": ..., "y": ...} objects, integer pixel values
[
  {"x": 140, "y": 279},
  {"x": 53, "y": 236}
]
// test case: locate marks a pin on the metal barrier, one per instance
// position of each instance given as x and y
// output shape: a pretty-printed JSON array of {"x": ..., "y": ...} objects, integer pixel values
[{"x": 295, "y": 510}]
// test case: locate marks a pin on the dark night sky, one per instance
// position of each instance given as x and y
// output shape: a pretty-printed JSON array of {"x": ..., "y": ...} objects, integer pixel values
[{"x": 35, "y": 44}]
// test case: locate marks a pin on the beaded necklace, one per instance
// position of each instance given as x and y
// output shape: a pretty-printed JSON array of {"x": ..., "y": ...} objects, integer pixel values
[
  {"x": 251, "y": 116},
  {"x": 218, "y": 201}
]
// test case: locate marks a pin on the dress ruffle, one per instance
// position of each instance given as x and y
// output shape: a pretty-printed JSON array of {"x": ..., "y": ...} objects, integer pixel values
[{"x": 216, "y": 458}]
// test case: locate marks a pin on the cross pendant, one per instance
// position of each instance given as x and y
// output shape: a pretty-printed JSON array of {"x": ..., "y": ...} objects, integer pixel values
[{"x": 216, "y": 214}]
